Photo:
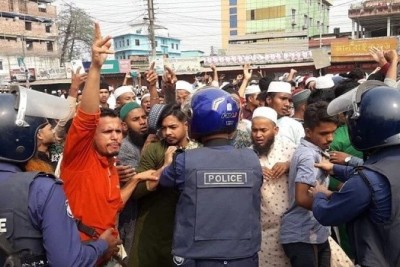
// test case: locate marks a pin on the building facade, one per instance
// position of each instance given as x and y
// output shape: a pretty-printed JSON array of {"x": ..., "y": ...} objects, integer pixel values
[
  {"x": 302, "y": 17},
  {"x": 28, "y": 46},
  {"x": 136, "y": 43},
  {"x": 375, "y": 18}
]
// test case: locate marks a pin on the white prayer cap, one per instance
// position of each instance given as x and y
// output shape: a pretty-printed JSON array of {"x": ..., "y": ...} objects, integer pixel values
[
  {"x": 324, "y": 82},
  {"x": 184, "y": 85},
  {"x": 252, "y": 89},
  {"x": 310, "y": 79},
  {"x": 280, "y": 87},
  {"x": 122, "y": 90},
  {"x": 144, "y": 96},
  {"x": 266, "y": 112}
]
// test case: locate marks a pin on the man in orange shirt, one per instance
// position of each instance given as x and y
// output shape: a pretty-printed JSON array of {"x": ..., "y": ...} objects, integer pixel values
[{"x": 93, "y": 141}]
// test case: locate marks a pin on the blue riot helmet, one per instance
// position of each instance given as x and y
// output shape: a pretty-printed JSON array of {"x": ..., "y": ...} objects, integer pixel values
[
  {"x": 22, "y": 113},
  {"x": 373, "y": 115},
  {"x": 213, "y": 111}
]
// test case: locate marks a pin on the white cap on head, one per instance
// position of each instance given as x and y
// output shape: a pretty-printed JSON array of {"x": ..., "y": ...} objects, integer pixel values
[
  {"x": 324, "y": 82},
  {"x": 184, "y": 85},
  {"x": 122, "y": 90},
  {"x": 266, "y": 112},
  {"x": 310, "y": 79},
  {"x": 252, "y": 89},
  {"x": 145, "y": 95},
  {"x": 280, "y": 87}
]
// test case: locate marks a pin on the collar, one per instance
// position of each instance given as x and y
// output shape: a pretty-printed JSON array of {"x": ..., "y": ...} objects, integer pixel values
[
  {"x": 217, "y": 142},
  {"x": 9, "y": 167},
  {"x": 317, "y": 149}
]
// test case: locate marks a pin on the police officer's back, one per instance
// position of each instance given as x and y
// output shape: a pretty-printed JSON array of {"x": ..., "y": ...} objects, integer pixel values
[
  {"x": 36, "y": 224},
  {"x": 217, "y": 218}
]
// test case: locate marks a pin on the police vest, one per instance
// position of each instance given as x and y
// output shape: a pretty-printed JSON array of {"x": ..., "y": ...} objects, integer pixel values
[
  {"x": 379, "y": 244},
  {"x": 218, "y": 212},
  {"x": 15, "y": 223}
]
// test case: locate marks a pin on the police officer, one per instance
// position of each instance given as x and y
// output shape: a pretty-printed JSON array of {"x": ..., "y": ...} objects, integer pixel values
[
  {"x": 36, "y": 224},
  {"x": 369, "y": 200},
  {"x": 217, "y": 220}
]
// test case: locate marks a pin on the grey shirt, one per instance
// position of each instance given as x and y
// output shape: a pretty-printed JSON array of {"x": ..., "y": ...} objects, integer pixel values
[
  {"x": 129, "y": 154},
  {"x": 299, "y": 224}
]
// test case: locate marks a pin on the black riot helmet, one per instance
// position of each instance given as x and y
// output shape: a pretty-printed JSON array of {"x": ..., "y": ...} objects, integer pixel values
[
  {"x": 17, "y": 140},
  {"x": 22, "y": 113}
]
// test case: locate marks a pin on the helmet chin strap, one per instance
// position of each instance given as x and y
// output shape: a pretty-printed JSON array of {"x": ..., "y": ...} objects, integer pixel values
[
  {"x": 23, "y": 100},
  {"x": 356, "y": 109}
]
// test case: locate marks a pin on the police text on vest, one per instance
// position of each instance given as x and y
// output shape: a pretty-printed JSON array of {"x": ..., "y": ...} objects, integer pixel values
[
  {"x": 228, "y": 178},
  {"x": 3, "y": 228}
]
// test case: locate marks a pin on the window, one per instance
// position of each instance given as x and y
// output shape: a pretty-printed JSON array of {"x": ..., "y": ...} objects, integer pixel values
[
  {"x": 127, "y": 42},
  {"x": 252, "y": 14},
  {"x": 28, "y": 25},
  {"x": 137, "y": 42},
  {"x": 310, "y": 23},
  {"x": 42, "y": 7},
  {"x": 1, "y": 65},
  {"x": 293, "y": 15},
  {"x": 123, "y": 42},
  {"x": 305, "y": 21},
  {"x": 29, "y": 45},
  {"x": 11, "y": 5},
  {"x": 233, "y": 21},
  {"x": 176, "y": 46},
  {"x": 233, "y": 33},
  {"x": 318, "y": 24},
  {"x": 48, "y": 28},
  {"x": 120, "y": 43},
  {"x": 156, "y": 43},
  {"x": 172, "y": 45},
  {"x": 232, "y": 11},
  {"x": 232, "y": 2},
  {"x": 49, "y": 46}
]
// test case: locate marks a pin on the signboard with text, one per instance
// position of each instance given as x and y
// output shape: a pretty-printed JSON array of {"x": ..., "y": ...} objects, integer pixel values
[{"x": 358, "y": 50}]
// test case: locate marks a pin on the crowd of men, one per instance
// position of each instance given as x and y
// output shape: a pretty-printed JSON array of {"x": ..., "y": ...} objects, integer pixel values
[{"x": 257, "y": 171}]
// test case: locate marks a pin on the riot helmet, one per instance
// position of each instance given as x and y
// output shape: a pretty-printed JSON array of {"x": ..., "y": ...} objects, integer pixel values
[
  {"x": 373, "y": 115},
  {"x": 213, "y": 111},
  {"x": 20, "y": 120}
]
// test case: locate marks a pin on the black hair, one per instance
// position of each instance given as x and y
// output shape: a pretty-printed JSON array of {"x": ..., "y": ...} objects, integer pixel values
[
  {"x": 379, "y": 76},
  {"x": 265, "y": 81},
  {"x": 174, "y": 110},
  {"x": 317, "y": 113},
  {"x": 345, "y": 86},
  {"x": 326, "y": 95},
  {"x": 104, "y": 85},
  {"x": 262, "y": 96},
  {"x": 108, "y": 112}
]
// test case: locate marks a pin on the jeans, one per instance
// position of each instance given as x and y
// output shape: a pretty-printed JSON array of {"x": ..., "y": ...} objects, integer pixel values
[{"x": 310, "y": 255}]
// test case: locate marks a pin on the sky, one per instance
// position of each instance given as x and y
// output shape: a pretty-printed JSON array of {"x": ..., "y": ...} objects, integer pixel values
[{"x": 195, "y": 22}]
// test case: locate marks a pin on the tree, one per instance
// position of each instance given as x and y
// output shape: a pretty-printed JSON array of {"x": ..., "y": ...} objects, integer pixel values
[{"x": 75, "y": 29}]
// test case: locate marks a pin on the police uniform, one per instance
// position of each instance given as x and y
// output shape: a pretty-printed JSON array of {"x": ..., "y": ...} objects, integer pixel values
[
  {"x": 217, "y": 220},
  {"x": 369, "y": 201},
  {"x": 36, "y": 219}
]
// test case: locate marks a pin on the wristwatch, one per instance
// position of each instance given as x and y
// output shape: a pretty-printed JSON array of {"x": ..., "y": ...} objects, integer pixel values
[{"x": 347, "y": 160}]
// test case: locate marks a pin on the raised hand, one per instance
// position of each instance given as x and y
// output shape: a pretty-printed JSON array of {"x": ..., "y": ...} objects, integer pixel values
[
  {"x": 169, "y": 76},
  {"x": 151, "y": 75},
  {"x": 77, "y": 79},
  {"x": 100, "y": 48}
]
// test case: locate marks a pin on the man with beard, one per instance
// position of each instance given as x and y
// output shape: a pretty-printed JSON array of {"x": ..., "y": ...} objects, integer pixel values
[
  {"x": 275, "y": 154},
  {"x": 152, "y": 241},
  {"x": 94, "y": 139},
  {"x": 134, "y": 122}
]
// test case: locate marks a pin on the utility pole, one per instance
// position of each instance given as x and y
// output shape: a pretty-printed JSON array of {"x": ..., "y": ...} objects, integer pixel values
[{"x": 150, "y": 10}]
